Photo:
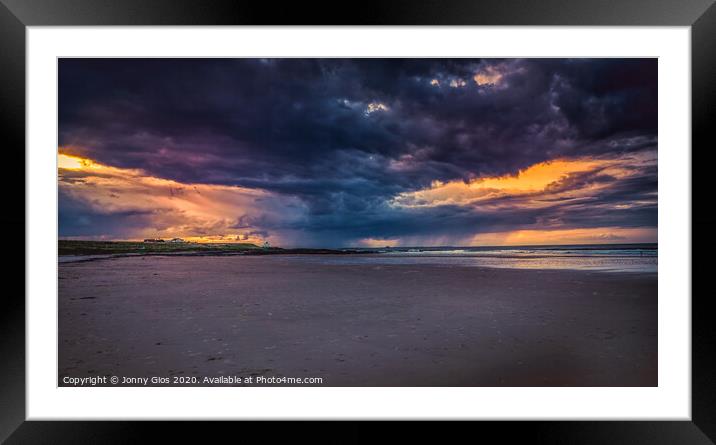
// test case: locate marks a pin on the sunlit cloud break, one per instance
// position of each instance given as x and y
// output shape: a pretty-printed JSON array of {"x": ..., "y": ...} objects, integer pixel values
[
  {"x": 162, "y": 208},
  {"x": 538, "y": 185}
]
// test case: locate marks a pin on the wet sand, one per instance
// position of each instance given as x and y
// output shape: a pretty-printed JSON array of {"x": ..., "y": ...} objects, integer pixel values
[{"x": 355, "y": 325}]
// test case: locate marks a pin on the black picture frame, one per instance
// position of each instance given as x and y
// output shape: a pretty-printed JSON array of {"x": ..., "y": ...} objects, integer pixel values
[{"x": 16, "y": 15}]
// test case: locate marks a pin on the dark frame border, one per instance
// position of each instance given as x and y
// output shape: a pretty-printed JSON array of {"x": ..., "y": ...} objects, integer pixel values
[{"x": 16, "y": 15}]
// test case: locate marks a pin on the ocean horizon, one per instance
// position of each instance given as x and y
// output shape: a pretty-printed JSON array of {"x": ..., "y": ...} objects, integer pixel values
[{"x": 641, "y": 257}]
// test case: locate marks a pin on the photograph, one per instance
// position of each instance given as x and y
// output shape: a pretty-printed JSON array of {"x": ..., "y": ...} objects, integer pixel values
[{"x": 357, "y": 222}]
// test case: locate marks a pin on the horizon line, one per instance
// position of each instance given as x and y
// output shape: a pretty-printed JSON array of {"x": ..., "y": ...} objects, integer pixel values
[{"x": 377, "y": 247}]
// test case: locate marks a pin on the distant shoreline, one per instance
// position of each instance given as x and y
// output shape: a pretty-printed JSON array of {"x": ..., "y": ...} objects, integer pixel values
[{"x": 113, "y": 249}]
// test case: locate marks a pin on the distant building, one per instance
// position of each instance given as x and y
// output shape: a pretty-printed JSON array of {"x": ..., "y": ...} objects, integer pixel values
[
  {"x": 153, "y": 240},
  {"x": 266, "y": 245},
  {"x": 176, "y": 240}
]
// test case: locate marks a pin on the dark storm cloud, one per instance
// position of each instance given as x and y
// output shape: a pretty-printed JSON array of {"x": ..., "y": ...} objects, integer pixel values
[
  {"x": 78, "y": 218},
  {"x": 306, "y": 128}
]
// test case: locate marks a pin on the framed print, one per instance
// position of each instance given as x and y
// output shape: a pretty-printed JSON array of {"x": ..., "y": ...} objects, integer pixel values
[{"x": 428, "y": 213}]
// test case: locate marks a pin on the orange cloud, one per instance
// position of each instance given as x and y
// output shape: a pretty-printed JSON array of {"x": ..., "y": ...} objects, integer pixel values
[
  {"x": 488, "y": 76},
  {"x": 70, "y": 162},
  {"x": 196, "y": 212},
  {"x": 546, "y": 179}
]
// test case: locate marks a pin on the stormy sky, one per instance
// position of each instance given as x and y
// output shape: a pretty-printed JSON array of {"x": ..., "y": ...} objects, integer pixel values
[{"x": 359, "y": 152}]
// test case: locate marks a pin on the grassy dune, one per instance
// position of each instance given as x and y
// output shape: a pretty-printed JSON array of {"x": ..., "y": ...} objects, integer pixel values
[{"x": 66, "y": 247}]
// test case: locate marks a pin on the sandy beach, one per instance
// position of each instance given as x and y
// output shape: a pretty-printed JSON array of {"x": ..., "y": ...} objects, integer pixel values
[{"x": 355, "y": 324}]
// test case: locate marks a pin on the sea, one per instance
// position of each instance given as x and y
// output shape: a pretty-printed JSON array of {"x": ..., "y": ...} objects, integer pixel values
[{"x": 596, "y": 257}]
